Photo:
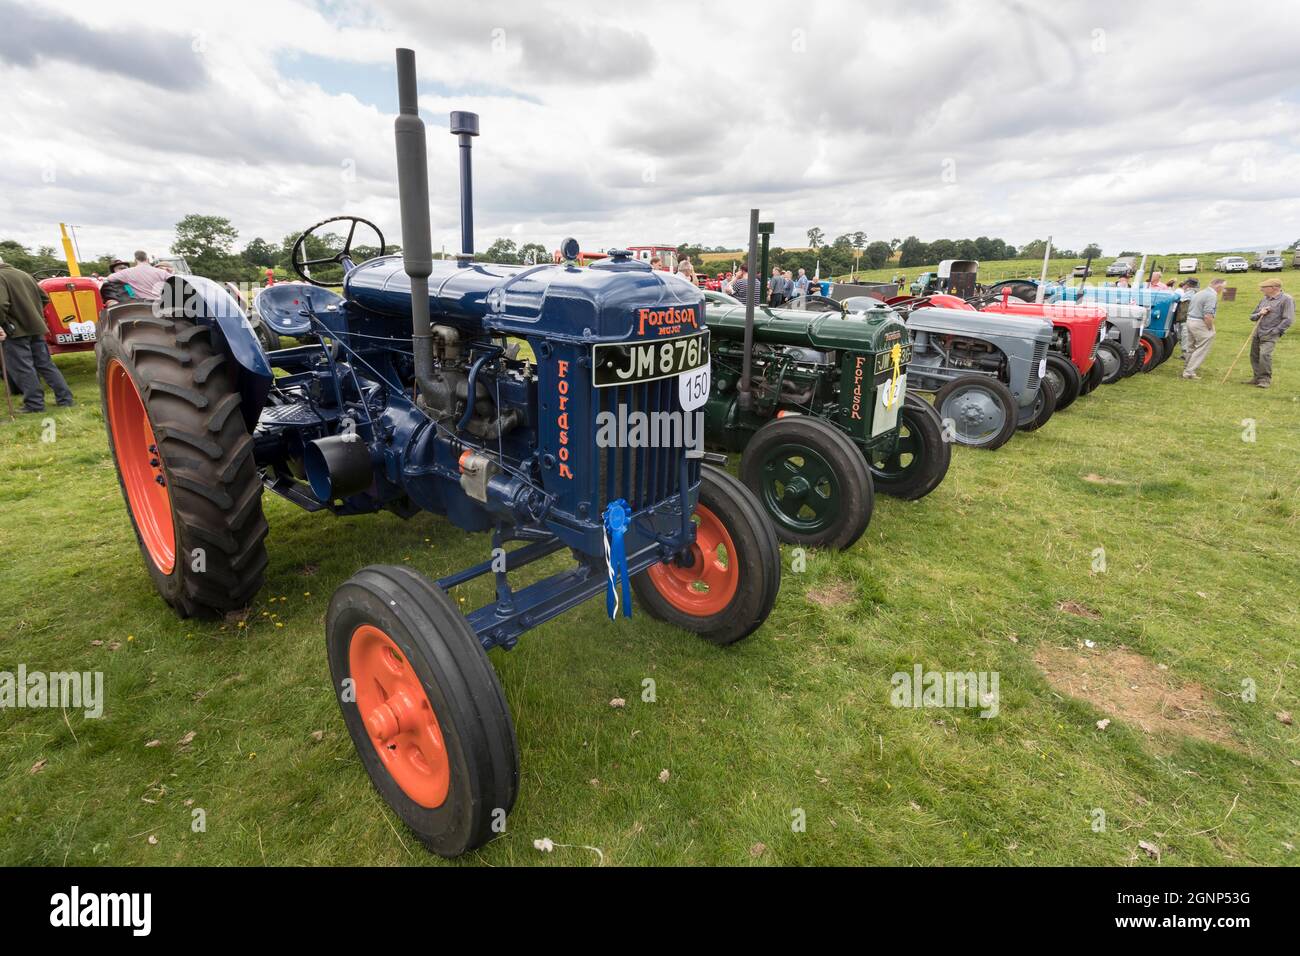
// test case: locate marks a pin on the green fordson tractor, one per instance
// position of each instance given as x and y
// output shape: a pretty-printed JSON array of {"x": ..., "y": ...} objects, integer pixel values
[{"x": 827, "y": 419}]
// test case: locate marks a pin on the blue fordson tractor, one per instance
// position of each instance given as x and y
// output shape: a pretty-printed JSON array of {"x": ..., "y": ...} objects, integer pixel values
[{"x": 408, "y": 393}]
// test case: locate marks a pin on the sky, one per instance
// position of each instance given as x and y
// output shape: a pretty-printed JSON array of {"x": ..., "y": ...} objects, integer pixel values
[{"x": 1152, "y": 127}]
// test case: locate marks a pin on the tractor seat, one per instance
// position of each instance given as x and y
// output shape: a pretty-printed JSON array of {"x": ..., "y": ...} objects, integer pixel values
[{"x": 285, "y": 306}]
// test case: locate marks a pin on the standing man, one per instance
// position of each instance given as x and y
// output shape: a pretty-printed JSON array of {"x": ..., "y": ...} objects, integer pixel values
[
  {"x": 801, "y": 284},
  {"x": 1200, "y": 325},
  {"x": 22, "y": 332},
  {"x": 741, "y": 285},
  {"x": 1189, "y": 289},
  {"x": 1272, "y": 317}
]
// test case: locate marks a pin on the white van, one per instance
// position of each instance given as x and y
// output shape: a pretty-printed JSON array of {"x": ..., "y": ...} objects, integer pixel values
[{"x": 1188, "y": 265}]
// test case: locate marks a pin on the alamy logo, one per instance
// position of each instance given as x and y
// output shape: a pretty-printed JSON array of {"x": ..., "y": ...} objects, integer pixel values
[
  {"x": 625, "y": 428},
  {"x": 103, "y": 909},
  {"x": 82, "y": 690},
  {"x": 946, "y": 689}
]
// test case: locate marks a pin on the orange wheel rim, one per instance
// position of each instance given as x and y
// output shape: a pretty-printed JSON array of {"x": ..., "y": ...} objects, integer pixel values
[
  {"x": 709, "y": 584},
  {"x": 398, "y": 717},
  {"x": 1148, "y": 351},
  {"x": 140, "y": 464}
]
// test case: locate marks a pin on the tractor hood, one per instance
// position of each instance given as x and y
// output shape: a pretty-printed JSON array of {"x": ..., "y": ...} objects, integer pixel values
[
  {"x": 615, "y": 299},
  {"x": 968, "y": 322},
  {"x": 873, "y": 330}
]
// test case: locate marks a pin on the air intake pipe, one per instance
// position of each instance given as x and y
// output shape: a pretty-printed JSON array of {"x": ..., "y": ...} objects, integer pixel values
[
  {"x": 413, "y": 199},
  {"x": 464, "y": 126}
]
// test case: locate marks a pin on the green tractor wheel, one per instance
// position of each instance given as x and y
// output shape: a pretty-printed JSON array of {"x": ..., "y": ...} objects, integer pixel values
[
  {"x": 919, "y": 461},
  {"x": 812, "y": 481}
]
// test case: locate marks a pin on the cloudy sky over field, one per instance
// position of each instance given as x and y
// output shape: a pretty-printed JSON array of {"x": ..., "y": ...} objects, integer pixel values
[{"x": 1163, "y": 130}]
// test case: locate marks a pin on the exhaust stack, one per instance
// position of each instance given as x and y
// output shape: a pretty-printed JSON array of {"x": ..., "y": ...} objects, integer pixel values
[
  {"x": 464, "y": 126},
  {"x": 744, "y": 398},
  {"x": 413, "y": 199}
]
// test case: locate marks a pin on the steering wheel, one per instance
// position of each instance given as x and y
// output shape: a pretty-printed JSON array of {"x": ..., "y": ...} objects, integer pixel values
[
  {"x": 48, "y": 273},
  {"x": 302, "y": 266}
]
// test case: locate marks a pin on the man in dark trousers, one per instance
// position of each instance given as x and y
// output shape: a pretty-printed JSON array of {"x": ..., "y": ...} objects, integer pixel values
[
  {"x": 1272, "y": 317},
  {"x": 22, "y": 329}
]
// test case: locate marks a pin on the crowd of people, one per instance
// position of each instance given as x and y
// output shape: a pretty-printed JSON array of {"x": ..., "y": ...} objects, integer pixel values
[{"x": 28, "y": 362}]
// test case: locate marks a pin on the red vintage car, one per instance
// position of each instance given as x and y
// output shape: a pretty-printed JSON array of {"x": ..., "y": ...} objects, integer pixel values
[{"x": 71, "y": 313}]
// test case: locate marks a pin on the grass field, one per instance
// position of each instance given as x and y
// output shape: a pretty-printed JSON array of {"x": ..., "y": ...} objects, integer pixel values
[{"x": 995, "y": 571}]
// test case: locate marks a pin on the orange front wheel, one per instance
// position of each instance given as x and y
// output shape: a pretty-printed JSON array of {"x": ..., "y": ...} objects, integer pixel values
[
  {"x": 423, "y": 706},
  {"x": 727, "y": 585}
]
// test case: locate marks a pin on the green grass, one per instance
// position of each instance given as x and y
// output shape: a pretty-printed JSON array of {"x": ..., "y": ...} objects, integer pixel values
[{"x": 1202, "y": 575}]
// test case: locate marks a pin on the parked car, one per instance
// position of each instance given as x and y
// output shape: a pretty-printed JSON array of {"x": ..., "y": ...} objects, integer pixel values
[
  {"x": 1231, "y": 264},
  {"x": 1081, "y": 272},
  {"x": 1123, "y": 266},
  {"x": 1188, "y": 265},
  {"x": 1268, "y": 263}
]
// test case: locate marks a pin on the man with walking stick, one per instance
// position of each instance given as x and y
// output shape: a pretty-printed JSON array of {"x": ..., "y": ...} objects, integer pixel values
[{"x": 1272, "y": 317}]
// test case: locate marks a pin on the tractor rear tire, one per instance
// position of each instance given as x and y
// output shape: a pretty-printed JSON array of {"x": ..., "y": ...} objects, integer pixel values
[
  {"x": 423, "y": 706},
  {"x": 266, "y": 336},
  {"x": 921, "y": 443},
  {"x": 184, "y": 459},
  {"x": 730, "y": 586},
  {"x": 812, "y": 481},
  {"x": 1149, "y": 352},
  {"x": 1020, "y": 288},
  {"x": 1044, "y": 406},
  {"x": 982, "y": 411},
  {"x": 1066, "y": 379},
  {"x": 1112, "y": 360},
  {"x": 1169, "y": 341}
]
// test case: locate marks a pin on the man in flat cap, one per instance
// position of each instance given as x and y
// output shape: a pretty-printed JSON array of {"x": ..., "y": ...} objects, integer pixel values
[{"x": 1272, "y": 317}]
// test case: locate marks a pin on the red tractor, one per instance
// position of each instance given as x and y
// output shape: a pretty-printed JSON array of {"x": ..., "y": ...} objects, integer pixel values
[
  {"x": 71, "y": 313},
  {"x": 1078, "y": 330}
]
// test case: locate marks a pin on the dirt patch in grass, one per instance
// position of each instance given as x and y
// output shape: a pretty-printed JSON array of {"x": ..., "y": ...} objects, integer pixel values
[
  {"x": 832, "y": 595},
  {"x": 1126, "y": 686},
  {"x": 1078, "y": 610},
  {"x": 1095, "y": 479}
]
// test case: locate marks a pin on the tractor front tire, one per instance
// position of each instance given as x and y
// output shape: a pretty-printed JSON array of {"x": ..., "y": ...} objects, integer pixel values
[
  {"x": 812, "y": 481},
  {"x": 1112, "y": 360},
  {"x": 184, "y": 459},
  {"x": 1044, "y": 406},
  {"x": 920, "y": 460},
  {"x": 1149, "y": 351},
  {"x": 423, "y": 706},
  {"x": 1092, "y": 381},
  {"x": 982, "y": 411},
  {"x": 730, "y": 586},
  {"x": 1065, "y": 379}
]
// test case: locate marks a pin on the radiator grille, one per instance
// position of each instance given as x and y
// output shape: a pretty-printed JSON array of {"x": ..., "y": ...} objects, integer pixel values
[
  {"x": 643, "y": 476},
  {"x": 1040, "y": 353}
]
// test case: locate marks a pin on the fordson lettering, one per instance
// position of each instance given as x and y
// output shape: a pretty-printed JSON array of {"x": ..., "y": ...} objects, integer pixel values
[
  {"x": 629, "y": 363},
  {"x": 562, "y": 369},
  {"x": 665, "y": 321},
  {"x": 855, "y": 410}
]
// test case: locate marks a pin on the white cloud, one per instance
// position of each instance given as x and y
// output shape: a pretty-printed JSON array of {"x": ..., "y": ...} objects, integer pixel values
[{"x": 662, "y": 122}]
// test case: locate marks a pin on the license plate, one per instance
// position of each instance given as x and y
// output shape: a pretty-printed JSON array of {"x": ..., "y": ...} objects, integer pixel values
[
  {"x": 629, "y": 363},
  {"x": 885, "y": 361}
]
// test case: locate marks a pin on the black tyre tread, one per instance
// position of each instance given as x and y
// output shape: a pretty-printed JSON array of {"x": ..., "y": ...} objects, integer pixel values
[
  {"x": 1048, "y": 392},
  {"x": 1156, "y": 350},
  {"x": 745, "y": 615},
  {"x": 1092, "y": 381},
  {"x": 855, "y": 470},
  {"x": 206, "y": 453},
  {"x": 1073, "y": 380},
  {"x": 939, "y": 454},
  {"x": 994, "y": 385},
  {"x": 484, "y": 731},
  {"x": 1120, "y": 358}
]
